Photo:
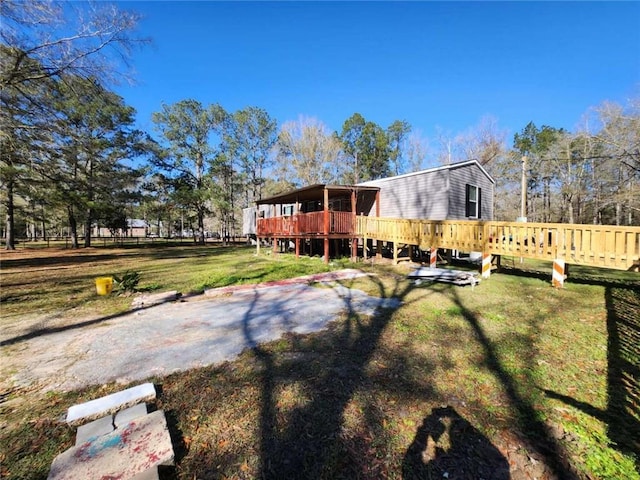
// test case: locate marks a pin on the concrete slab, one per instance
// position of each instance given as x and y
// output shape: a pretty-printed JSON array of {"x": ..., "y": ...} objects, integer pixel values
[
  {"x": 129, "y": 414},
  {"x": 95, "y": 429},
  {"x": 150, "y": 299},
  {"x": 111, "y": 403},
  {"x": 124, "y": 453},
  {"x": 327, "y": 277},
  {"x": 177, "y": 336}
]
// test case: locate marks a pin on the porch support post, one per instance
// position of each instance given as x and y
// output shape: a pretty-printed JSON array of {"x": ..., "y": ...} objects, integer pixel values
[
  {"x": 354, "y": 220},
  {"x": 275, "y": 246},
  {"x": 296, "y": 229},
  {"x": 257, "y": 245},
  {"x": 378, "y": 241},
  {"x": 395, "y": 243},
  {"x": 326, "y": 225}
]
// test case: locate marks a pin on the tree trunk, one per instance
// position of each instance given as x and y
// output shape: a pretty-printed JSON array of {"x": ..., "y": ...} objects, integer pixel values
[
  {"x": 87, "y": 228},
  {"x": 73, "y": 228},
  {"x": 10, "y": 239},
  {"x": 200, "y": 239},
  {"x": 44, "y": 224},
  {"x": 570, "y": 210}
]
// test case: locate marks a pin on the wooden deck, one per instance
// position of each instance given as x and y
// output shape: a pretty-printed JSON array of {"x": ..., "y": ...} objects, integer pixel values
[
  {"x": 606, "y": 246},
  {"x": 308, "y": 225}
]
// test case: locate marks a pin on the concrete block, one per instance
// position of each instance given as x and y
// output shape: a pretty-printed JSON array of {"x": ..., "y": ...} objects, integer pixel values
[
  {"x": 129, "y": 414},
  {"x": 95, "y": 429},
  {"x": 151, "y": 474},
  {"x": 100, "y": 407},
  {"x": 128, "y": 451}
]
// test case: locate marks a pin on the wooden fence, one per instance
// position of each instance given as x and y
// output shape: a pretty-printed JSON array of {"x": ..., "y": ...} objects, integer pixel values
[{"x": 594, "y": 245}]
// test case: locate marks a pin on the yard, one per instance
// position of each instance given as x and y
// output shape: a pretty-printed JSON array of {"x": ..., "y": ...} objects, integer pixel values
[{"x": 511, "y": 379}]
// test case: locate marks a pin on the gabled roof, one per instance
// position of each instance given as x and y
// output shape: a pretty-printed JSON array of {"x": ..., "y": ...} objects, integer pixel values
[
  {"x": 431, "y": 170},
  {"x": 314, "y": 192}
]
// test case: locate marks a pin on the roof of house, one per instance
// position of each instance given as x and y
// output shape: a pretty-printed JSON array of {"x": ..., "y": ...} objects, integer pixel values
[
  {"x": 137, "y": 223},
  {"x": 431, "y": 170},
  {"x": 314, "y": 192}
]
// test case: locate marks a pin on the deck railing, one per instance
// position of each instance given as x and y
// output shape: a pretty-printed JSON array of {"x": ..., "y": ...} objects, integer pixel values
[
  {"x": 596, "y": 245},
  {"x": 311, "y": 223}
]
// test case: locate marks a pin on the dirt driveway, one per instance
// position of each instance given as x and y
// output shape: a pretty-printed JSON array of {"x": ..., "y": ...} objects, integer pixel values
[{"x": 176, "y": 336}]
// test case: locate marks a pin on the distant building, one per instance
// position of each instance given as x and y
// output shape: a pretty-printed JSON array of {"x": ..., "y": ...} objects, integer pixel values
[{"x": 135, "y": 228}]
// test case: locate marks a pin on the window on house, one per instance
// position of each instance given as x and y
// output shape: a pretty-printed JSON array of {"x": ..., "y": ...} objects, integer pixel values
[
  {"x": 287, "y": 210},
  {"x": 473, "y": 202}
]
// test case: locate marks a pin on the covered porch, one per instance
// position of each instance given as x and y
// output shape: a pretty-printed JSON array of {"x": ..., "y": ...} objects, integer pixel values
[{"x": 316, "y": 218}]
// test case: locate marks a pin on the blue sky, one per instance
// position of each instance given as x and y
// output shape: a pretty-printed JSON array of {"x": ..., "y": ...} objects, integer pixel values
[{"x": 435, "y": 65}]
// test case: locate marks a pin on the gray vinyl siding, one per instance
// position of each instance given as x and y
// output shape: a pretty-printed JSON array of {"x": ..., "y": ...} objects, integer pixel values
[
  {"x": 414, "y": 196},
  {"x": 437, "y": 194},
  {"x": 458, "y": 179}
]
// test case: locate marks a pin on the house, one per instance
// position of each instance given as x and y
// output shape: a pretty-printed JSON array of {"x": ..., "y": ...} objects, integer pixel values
[
  {"x": 459, "y": 191},
  {"x": 324, "y": 218},
  {"x": 136, "y": 227}
]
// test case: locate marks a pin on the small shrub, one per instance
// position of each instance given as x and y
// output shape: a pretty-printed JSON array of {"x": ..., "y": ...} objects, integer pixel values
[{"x": 127, "y": 283}]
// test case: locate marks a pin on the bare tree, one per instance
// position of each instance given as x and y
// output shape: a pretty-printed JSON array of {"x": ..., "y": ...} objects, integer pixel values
[
  {"x": 618, "y": 133},
  {"x": 415, "y": 150},
  {"x": 43, "y": 41},
  {"x": 86, "y": 40},
  {"x": 308, "y": 152}
]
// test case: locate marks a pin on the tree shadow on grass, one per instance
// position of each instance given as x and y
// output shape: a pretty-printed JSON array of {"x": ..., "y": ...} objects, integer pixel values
[
  {"x": 622, "y": 414},
  {"x": 308, "y": 442},
  {"x": 536, "y": 434}
]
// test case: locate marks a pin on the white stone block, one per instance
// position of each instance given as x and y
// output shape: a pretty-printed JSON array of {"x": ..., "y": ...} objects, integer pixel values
[
  {"x": 111, "y": 403},
  {"x": 95, "y": 429},
  {"x": 151, "y": 474},
  {"x": 131, "y": 450},
  {"x": 129, "y": 414}
]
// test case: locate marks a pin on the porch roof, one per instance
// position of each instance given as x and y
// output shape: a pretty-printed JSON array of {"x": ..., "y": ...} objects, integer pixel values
[{"x": 314, "y": 192}]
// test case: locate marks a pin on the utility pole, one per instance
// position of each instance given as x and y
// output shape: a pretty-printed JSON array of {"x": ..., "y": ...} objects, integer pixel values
[{"x": 523, "y": 192}]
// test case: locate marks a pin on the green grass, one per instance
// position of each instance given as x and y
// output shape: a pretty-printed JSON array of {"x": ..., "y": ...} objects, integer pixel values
[{"x": 529, "y": 371}]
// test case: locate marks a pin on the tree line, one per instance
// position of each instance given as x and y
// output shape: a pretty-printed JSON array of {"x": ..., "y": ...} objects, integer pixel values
[{"x": 71, "y": 158}]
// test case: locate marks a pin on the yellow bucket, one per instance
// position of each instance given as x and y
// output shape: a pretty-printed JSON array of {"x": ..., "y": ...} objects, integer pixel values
[{"x": 104, "y": 285}]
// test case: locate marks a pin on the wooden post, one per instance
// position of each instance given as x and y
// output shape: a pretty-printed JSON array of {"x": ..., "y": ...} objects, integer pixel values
[
  {"x": 354, "y": 240},
  {"x": 326, "y": 225},
  {"x": 378, "y": 241},
  {"x": 297, "y": 247},
  {"x": 395, "y": 243},
  {"x": 257, "y": 245},
  {"x": 275, "y": 246}
]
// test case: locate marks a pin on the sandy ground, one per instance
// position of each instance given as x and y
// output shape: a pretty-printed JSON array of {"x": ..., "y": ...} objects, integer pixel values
[{"x": 174, "y": 336}]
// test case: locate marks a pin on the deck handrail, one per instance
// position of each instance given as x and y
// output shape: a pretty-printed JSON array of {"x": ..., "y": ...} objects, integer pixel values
[
  {"x": 607, "y": 246},
  {"x": 311, "y": 223}
]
